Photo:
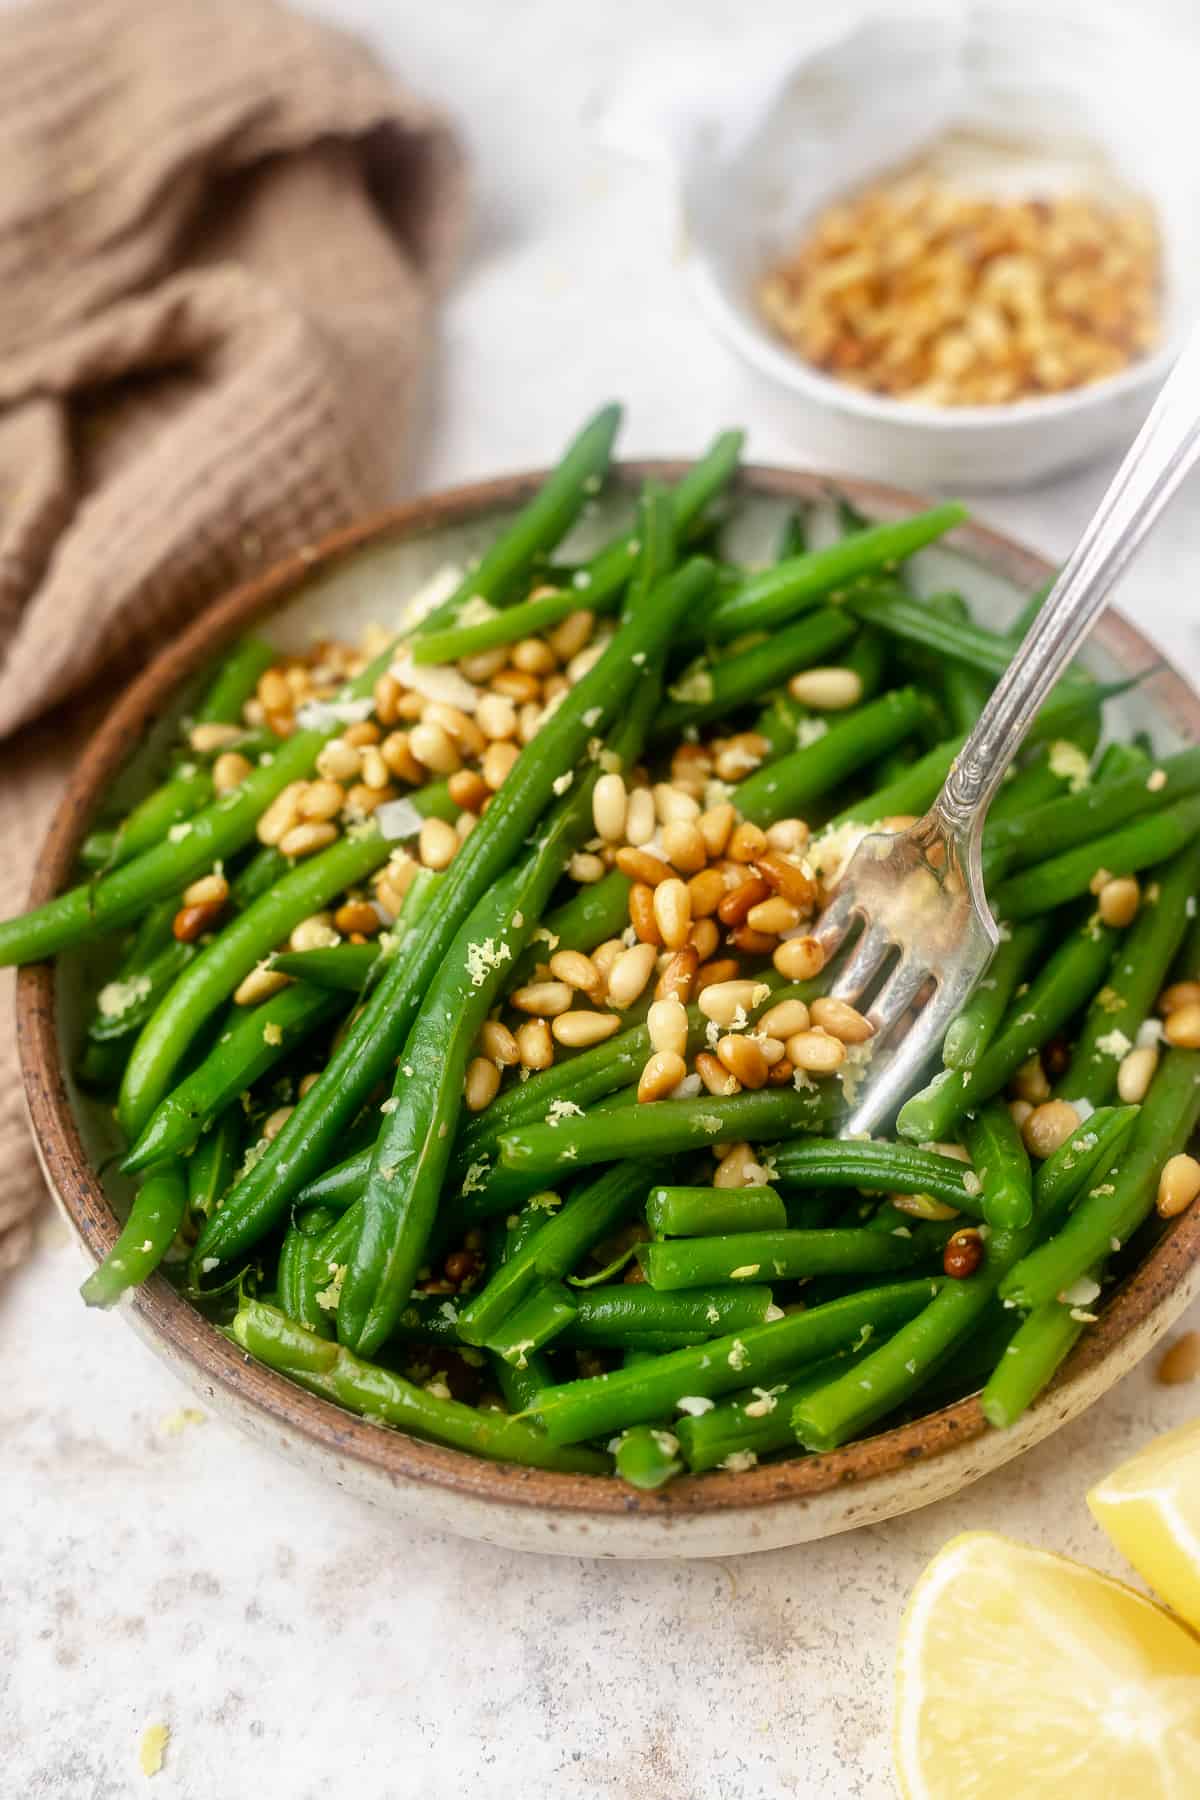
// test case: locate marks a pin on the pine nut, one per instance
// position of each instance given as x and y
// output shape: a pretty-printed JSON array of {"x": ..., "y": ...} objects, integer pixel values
[
  {"x": 482, "y": 1083},
  {"x": 578, "y": 971},
  {"x": 390, "y": 893},
  {"x": 639, "y": 865},
  {"x": 230, "y": 770},
  {"x": 739, "y": 1168},
  {"x": 338, "y": 761},
  {"x": 684, "y": 846},
  {"x": 703, "y": 938},
  {"x": 1030, "y": 1082},
  {"x": 1119, "y": 901},
  {"x": 585, "y": 868},
  {"x": 396, "y": 752},
  {"x": 799, "y": 959},
  {"x": 716, "y": 827},
  {"x": 259, "y": 985},
  {"x": 432, "y": 745},
  {"x": 735, "y": 908},
  {"x": 274, "y": 691},
  {"x": 785, "y": 1019},
  {"x": 468, "y": 790},
  {"x": 1048, "y": 1127},
  {"x": 716, "y": 1076},
  {"x": 323, "y": 799},
  {"x": 307, "y": 839},
  {"x": 707, "y": 889},
  {"x": 533, "y": 655},
  {"x": 274, "y": 1123},
  {"x": 498, "y": 1044},
  {"x": 1181, "y": 1361},
  {"x": 714, "y": 974},
  {"x": 751, "y": 942},
  {"x": 191, "y": 922},
  {"x": 722, "y": 1001},
  {"x": 484, "y": 664},
  {"x": 747, "y": 843},
  {"x": 1182, "y": 1027},
  {"x": 827, "y": 690},
  {"x": 962, "y": 1254},
  {"x": 254, "y": 713},
  {"x": 385, "y": 696},
  {"x": 496, "y": 717},
  {"x": 790, "y": 879},
  {"x": 641, "y": 914},
  {"x": 361, "y": 800},
  {"x": 661, "y": 1076},
  {"x": 840, "y": 1021},
  {"x": 586, "y": 659},
  {"x": 308, "y": 1082},
  {"x": 773, "y": 916},
  {"x": 437, "y": 844},
  {"x": 375, "y": 772},
  {"x": 497, "y": 762},
  {"x": 204, "y": 738},
  {"x": 788, "y": 836},
  {"x": 629, "y": 974},
  {"x": 672, "y": 805},
  {"x": 744, "y": 1060},
  {"x": 1180, "y": 993},
  {"x": 640, "y": 822},
  {"x": 544, "y": 998},
  {"x": 1178, "y": 1185},
  {"x": 667, "y": 1024},
  {"x": 281, "y": 814},
  {"x": 209, "y": 890},
  {"x": 569, "y": 637},
  {"x": 609, "y": 802},
  {"x": 314, "y": 933},
  {"x": 357, "y": 916},
  {"x": 1135, "y": 1074},
  {"x": 535, "y": 1044},
  {"x": 580, "y": 1030},
  {"x": 464, "y": 825},
  {"x": 411, "y": 708},
  {"x": 606, "y": 954},
  {"x": 673, "y": 912},
  {"x": 739, "y": 755},
  {"x": 530, "y": 720},
  {"x": 781, "y": 1073},
  {"x": 816, "y": 1052},
  {"x": 458, "y": 725},
  {"x": 364, "y": 732},
  {"x": 1019, "y": 1111},
  {"x": 518, "y": 685},
  {"x": 676, "y": 976}
]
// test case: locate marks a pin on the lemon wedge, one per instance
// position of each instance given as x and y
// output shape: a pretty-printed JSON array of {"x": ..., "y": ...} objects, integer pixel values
[
  {"x": 1023, "y": 1674},
  {"x": 1150, "y": 1508}
]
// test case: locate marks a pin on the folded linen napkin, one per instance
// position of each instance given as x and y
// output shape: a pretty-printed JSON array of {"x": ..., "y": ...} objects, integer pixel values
[{"x": 222, "y": 230}]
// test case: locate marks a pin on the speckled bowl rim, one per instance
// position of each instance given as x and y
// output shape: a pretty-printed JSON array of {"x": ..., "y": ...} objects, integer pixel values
[{"x": 287, "y": 1412}]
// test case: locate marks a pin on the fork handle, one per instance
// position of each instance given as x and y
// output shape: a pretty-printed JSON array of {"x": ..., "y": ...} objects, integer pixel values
[{"x": 1161, "y": 455}]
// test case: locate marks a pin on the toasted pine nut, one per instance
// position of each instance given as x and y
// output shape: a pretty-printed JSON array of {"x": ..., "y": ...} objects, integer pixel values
[
  {"x": 432, "y": 745},
  {"x": 1180, "y": 993},
  {"x": 578, "y": 971},
  {"x": 773, "y": 916},
  {"x": 716, "y": 827},
  {"x": 684, "y": 846},
  {"x": 457, "y": 724},
  {"x": 191, "y": 922},
  {"x": 585, "y": 868},
  {"x": 827, "y": 690},
  {"x": 771, "y": 1047},
  {"x": 230, "y": 770},
  {"x": 375, "y": 772},
  {"x": 790, "y": 879},
  {"x": 716, "y": 1076},
  {"x": 468, "y": 790},
  {"x": 274, "y": 1123},
  {"x": 1135, "y": 1074},
  {"x": 308, "y": 838},
  {"x": 396, "y": 752},
  {"x": 667, "y": 1023},
  {"x": 785, "y": 1019},
  {"x": 724, "y": 1000},
  {"x": 364, "y": 732},
  {"x": 739, "y": 1168},
  {"x": 738, "y": 755},
  {"x": 498, "y": 1044},
  {"x": 735, "y": 908},
  {"x": 254, "y": 713},
  {"x": 437, "y": 844},
  {"x": 535, "y": 1044},
  {"x": 1119, "y": 901},
  {"x": 714, "y": 974},
  {"x": 534, "y": 655},
  {"x": 545, "y": 998},
  {"x": 209, "y": 890},
  {"x": 923, "y": 1206},
  {"x": 1178, "y": 1185},
  {"x": 1030, "y": 1082},
  {"x": 673, "y": 912},
  {"x": 799, "y": 959},
  {"x": 586, "y": 659},
  {"x": 751, "y": 942},
  {"x": 530, "y": 720},
  {"x": 484, "y": 664},
  {"x": 661, "y": 1075},
  {"x": 580, "y": 1030},
  {"x": 482, "y": 1083},
  {"x": 744, "y": 1059},
  {"x": 640, "y": 819},
  {"x": 569, "y": 637},
  {"x": 816, "y": 1052},
  {"x": 259, "y": 985},
  {"x": 1019, "y": 1111},
  {"x": 609, "y": 802},
  {"x": 357, "y": 915},
  {"x": 1181, "y": 1361},
  {"x": 629, "y": 974},
  {"x": 390, "y": 893},
  {"x": 703, "y": 938},
  {"x": 841, "y": 1021},
  {"x": 788, "y": 836},
  {"x": 676, "y": 977},
  {"x": 496, "y": 763},
  {"x": 361, "y": 800},
  {"x": 274, "y": 692},
  {"x": 672, "y": 805},
  {"x": 641, "y": 913},
  {"x": 640, "y": 865},
  {"x": 1182, "y": 1027},
  {"x": 314, "y": 933},
  {"x": 748, "y": 843},
  {"x": 204, "y": 738},
  {"x": 1048, "y": 1127},
  {"x": 308, "y": 1082},
  {"x": 325, "y": 799},
  {"x": 338, "y": 761},
  {"x": 691, "y": 767},
  {"x": 518, "y": 685},
  {"x": 496, "y": 717},
  {"x": 781, "y": 1073},
  {"x": 386, "y": 697},
  {"x": 707, "y": 890},
  {"x": 281, "y": 814},
  {"x": 606, "y": 954}
]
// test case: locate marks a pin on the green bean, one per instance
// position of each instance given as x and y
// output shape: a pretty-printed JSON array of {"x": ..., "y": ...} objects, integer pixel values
[
  {"x": 255, "y": 1039},
  {"x": 912, "y": 792},
  {"x": 1139, "y": 970},
  {"x": 593, "y": 913},
  {"x": 1032, "y": 1356},
  {"x": 647, "y": 1457},
  {"x": 781, "y": 1256},
  {"x": 236, "y": 950},
  {"x": 1124, "y": 852},
  {"x": 99, "y": 1067},
  {"x": 535, "y": 1322},
  {"x": 1086, "y": 1157},
  {"x": 341, "y": 967},
  {"x": 263, "y": 870},
  {"x": 1060, "y": 988},
  {"x": 213, "y": 1163},
  {"x": 601, "y": 1404},
  {"x": 876, "y": 1167},
  {"x": 154, "y": 1218},
  {"x": 632, "y": 1314},
  {"x": 751, "y": 1424},
  {"x": 655, "y": 527},
  {"x": 787, "y": 787},
  {"x": 125, "y": 1003},
  {"x": 375, "y": 1038},
  {"x": 325, "y": 1368},
  {"x": 1110, "y": 1213},
  {"x": 779, "y": 593},
  {"x": 969, "y": 1035},
  {"x": 235, "y": 682},
  {"x": 1001, "y": 1163},
  {"x": 168, "y": 806},
  {"x": 964, "y": 690},
  {"x": 713, "y": 689},
  {"x": 1090, "y": 815},
  {"x": 1028, "y": 613},
  {"x": 793, "y": 536},
  {"x": 704, "y": 1211},
  {"x": 663, "y": 1129},
  {"x": 593, "y": 1212},
  {"x": 920, "y": 622}
]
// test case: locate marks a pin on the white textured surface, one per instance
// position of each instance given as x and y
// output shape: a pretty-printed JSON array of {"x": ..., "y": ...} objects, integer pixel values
[{"x": 298, "y": 1644}]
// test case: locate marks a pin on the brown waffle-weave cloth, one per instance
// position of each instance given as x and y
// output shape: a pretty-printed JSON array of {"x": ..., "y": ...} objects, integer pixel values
[{"x": 222, "y": 230}]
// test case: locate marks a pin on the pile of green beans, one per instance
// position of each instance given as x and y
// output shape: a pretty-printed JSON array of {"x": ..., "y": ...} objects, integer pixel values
[{"x": 568, "y": 1276}]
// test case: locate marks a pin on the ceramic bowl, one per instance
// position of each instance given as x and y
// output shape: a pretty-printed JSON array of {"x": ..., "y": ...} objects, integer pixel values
[{"x": 345, "y": 581}]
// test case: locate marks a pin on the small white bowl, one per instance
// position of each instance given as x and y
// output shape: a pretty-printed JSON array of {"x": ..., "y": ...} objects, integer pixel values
[{"x": 1012, "y": 97}]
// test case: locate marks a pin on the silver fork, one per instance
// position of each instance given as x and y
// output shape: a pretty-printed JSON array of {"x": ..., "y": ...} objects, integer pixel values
[{"x": 919, "y": 894}]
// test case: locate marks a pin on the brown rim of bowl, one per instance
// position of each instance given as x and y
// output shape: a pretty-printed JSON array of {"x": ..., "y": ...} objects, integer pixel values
[{"x": 218, "y": 1362}]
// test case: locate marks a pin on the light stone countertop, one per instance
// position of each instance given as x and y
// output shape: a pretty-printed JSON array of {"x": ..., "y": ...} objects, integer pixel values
[{"x": 155, "y": 1568}]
